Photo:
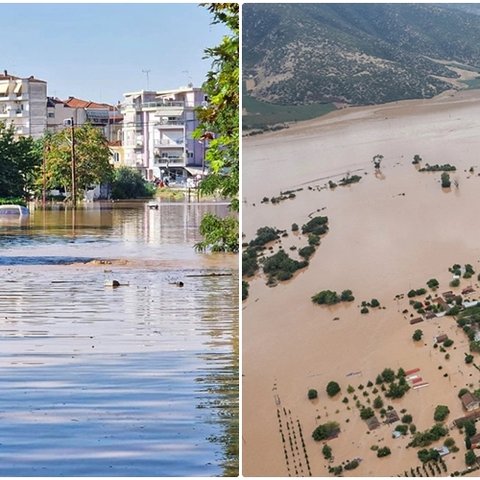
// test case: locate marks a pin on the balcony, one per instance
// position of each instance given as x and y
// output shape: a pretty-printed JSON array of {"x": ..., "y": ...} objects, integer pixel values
[
  {"x": 170, "y": 123},
  {"x": 170, "y": 161},
  {"x": 168, "y": 143},
  {"x": 163, "y": 104}
]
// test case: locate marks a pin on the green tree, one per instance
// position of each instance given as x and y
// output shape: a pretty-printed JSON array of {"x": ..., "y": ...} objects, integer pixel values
[
  {"x": 129, "y": 183},
  {"x": 325, "y": 431},
  {"x": 92, "y": 159},
  {"x": 332, "y": 388},
  {"x": 378, "y": 402},
  {"x": 445, "y": 177},
  {"x": 221, "y": 234},
  {"x": 417, "y": 335},
  {"x": 19, "y": 160},
  {"x": 221, "y": 117},
  {"x": 470, "y": 458},
  {"x": 327, "y": 452},
  {"x": 312, "y": 394},
  {"x": 441, "y": 413}
]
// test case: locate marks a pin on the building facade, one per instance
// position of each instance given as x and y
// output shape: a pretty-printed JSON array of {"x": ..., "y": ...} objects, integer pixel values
[
  {"x": 157, "y": 133},
  {"x": 23, "y": 104}
]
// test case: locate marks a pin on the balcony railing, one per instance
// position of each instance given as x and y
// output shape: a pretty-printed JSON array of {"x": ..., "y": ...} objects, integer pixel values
[
  {"x": 163, "y": 104},
  {"x": 169, "y": 143}
]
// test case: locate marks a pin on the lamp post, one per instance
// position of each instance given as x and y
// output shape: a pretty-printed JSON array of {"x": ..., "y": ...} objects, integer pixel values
[{"x": 70, "y": 122}]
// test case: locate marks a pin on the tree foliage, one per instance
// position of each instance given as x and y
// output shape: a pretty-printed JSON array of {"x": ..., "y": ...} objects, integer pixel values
[
  {"x": 332, "y": 388},
  {"x": 19, "y": 160},
  {"x": 129, "y": 183},
  {"x": 92, "y": 158},
  {"x": 221, "y": 117}
]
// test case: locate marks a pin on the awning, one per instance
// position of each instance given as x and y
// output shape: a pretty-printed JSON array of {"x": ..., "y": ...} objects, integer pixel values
[
  {"x": 4, "y": 88},
  {"x": 196, "y": 171},
  {"x": 18, "y": 88}
]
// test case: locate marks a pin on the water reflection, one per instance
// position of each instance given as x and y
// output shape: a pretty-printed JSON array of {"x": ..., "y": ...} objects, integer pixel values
[{"x": 140, "y": 380}]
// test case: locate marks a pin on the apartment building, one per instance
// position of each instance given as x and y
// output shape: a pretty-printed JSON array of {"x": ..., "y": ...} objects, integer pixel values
[
  {"x": 157, "y": 133},
  {"x": 23, "y": 104},
  {"x": 101, "y": 115}
]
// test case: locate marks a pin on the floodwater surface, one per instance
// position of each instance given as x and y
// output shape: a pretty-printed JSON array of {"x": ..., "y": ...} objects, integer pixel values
[{"x": 139, "y": 380}]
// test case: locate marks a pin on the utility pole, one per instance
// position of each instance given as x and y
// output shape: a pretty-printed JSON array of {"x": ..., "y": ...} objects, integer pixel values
[
  {"x": 74, "y": 174},
  {"x": 44, "y": 190},
  {"x": 147, "y": 73}
]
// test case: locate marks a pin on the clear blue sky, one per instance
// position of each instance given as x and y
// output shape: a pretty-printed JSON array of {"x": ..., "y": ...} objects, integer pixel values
[{"x": 98, "y": 51}]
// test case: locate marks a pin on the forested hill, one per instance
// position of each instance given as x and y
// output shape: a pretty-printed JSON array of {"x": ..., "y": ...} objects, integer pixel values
[{"x": 356, "y": 53}]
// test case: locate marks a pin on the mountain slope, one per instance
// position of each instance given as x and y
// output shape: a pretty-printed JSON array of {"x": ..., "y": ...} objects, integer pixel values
[{"x": 354, "y": 53}]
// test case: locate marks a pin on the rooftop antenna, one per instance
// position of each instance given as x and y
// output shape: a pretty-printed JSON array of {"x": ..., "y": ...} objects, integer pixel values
[
  {"x": 190, "y": 82},
  {"x": 147, "y": 73}
]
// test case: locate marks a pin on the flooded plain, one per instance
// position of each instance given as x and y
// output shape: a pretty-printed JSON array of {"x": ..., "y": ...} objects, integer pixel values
[
  {"x": 139, "y": 380},
  {"x": 389, "y": 233}
]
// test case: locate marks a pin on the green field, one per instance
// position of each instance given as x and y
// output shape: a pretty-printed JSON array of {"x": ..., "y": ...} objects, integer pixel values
[{"x": 262, "y": 114}]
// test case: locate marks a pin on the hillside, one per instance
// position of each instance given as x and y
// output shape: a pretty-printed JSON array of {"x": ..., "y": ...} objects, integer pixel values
[{"x": 297, "y": 54}]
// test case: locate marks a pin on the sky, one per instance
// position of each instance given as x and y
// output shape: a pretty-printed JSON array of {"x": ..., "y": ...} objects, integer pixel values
[{"x": 98, "y": 52}]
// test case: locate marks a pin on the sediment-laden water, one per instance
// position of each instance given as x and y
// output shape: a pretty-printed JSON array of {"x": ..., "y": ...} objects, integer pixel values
[{"x": 139, "y": 380}]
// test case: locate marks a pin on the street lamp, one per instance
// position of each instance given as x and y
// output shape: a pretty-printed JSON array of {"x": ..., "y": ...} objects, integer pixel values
[{"x": 69, "y": 122}]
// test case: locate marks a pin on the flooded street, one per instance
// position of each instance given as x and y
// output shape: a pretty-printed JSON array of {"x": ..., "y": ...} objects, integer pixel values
[{"x": 140, "y": 380}]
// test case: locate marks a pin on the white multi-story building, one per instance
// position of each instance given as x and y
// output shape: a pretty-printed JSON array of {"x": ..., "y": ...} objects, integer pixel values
[
  {"x": 23, "y": 104},
  {"x": 157, "y": 133}
]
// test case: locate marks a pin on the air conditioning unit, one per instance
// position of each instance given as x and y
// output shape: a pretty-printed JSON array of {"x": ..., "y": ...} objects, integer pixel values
[{"x": 68, "y": 122}]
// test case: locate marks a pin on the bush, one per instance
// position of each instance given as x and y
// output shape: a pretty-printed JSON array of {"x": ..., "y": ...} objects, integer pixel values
[
  {"x": 412, "y": 293},
  {"x": 468, "y": 358},
  {"x": 383, "y": 452},
  {"x": 433, "y": 283},
  {"x": 455, "y": 282},
  {"x": 374, "y": 303},
  {"x": 407, "y": 418},
  {"x": 448, "y": 342},
  {"x": 441, "y": 413},
  {"x": 327, "y": 452},
  {"x": 351, "y": 465},
  {"x": 347, "y": 296},
  {"x": 366, "y": 413},
  {"x": 312, "y": 394},
  {"x": 332, "y": 389},
  {"x": 128, "y": 183},
  {"x": 449, "y": 442},
  {"x": 364, "y": 310},
  {"x": 294, "y": 227}
]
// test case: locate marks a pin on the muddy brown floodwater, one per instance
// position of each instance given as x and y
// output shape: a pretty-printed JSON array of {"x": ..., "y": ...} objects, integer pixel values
[
  {"x": 391, "y": 232},
  {"x": 139, "y": 380}
]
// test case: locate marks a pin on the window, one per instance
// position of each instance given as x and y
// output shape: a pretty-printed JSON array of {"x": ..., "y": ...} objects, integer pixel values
[{"x": 51, "y": 115}]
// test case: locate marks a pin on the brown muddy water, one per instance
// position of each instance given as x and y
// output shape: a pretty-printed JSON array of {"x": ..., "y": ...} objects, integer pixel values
[
  {"x": 389, "y": 233},
  {"x": 140, "y": 380}
]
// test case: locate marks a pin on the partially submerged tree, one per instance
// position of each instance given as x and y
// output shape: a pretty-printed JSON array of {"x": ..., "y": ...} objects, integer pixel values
[
  {"x": 92, "y": 158},
  {"x": 219, "y": 122},
  {"x": 19, "y": 160},
  {"x": 377, "y": 161}
]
